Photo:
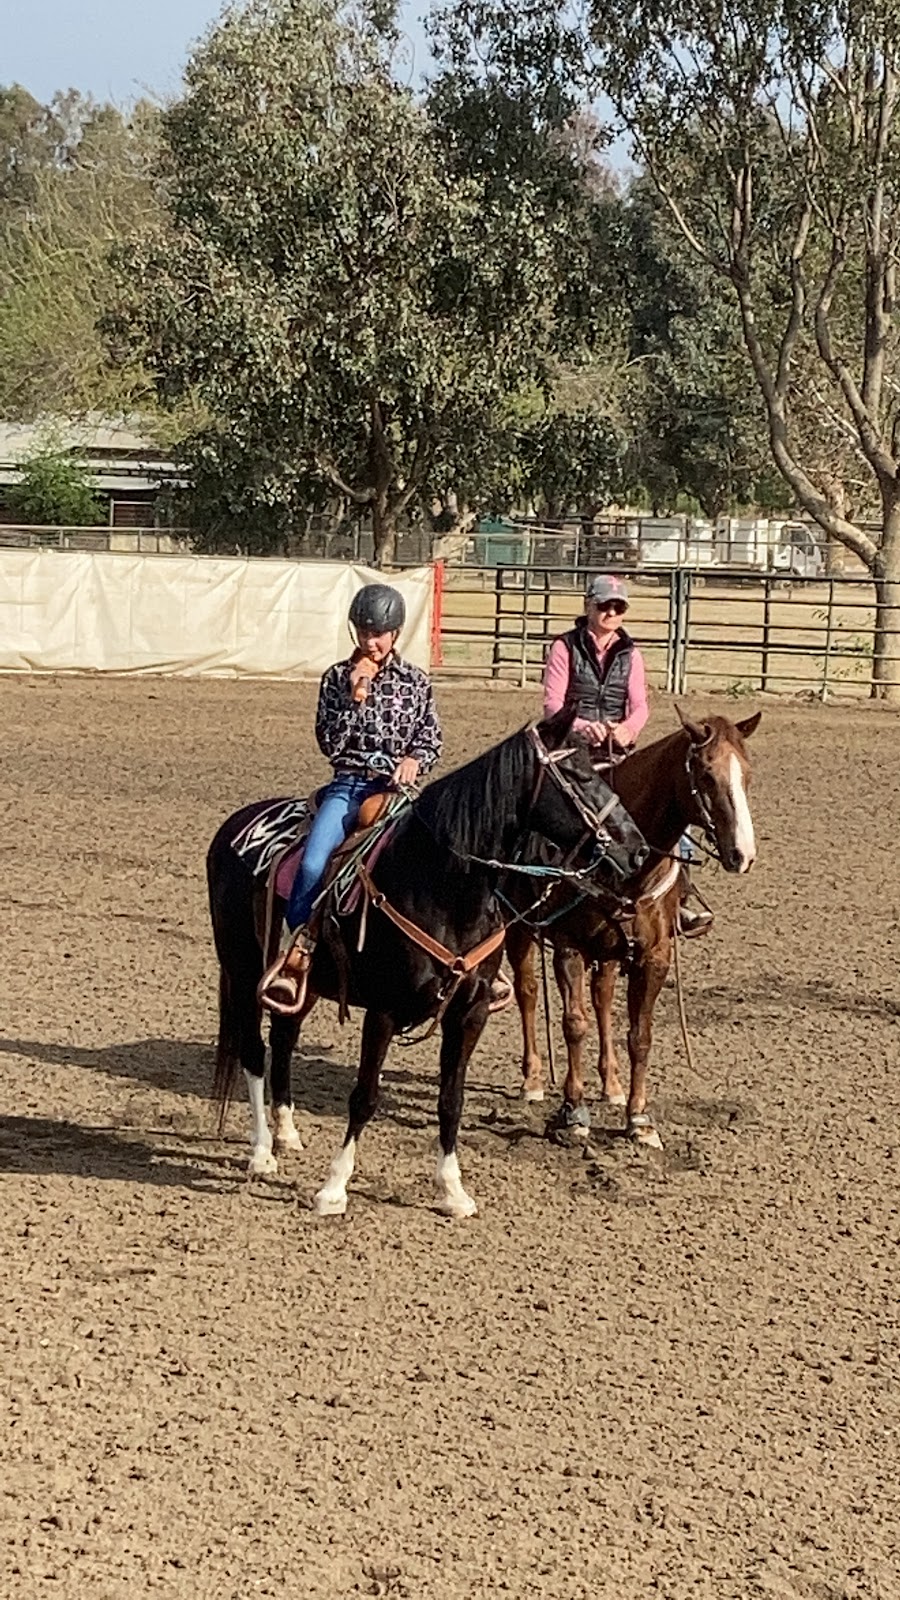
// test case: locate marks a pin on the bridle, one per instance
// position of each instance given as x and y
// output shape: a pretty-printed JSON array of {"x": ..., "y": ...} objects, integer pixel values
[
  {"x": 459, "y": 966},
  {"x": 550, "y": 763},
  {"x": 707, "y": 821}
]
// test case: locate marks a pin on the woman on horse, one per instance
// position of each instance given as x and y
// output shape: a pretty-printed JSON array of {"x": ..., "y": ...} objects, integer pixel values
[
  {"x": 377, "y": 724},
  {"x": 597, "y": 670}
]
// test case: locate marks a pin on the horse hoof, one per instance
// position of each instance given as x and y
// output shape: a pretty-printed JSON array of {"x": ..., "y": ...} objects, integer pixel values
[
  {"x": 262, "y": 1164},
  {"x": 284, "y": 1132},
  {"x": 570, "y": 1126},
  {"x": 619, "y": 1099},
  {"x": 567, "y": 1138},
  {"x": 531, "y": 1095},
  {"x": 329, "y": 1205},
  {"x": 641, "y": 1131},
  {"x": 459, "y": 1207},
  {"x": 286, "y": 1142}
]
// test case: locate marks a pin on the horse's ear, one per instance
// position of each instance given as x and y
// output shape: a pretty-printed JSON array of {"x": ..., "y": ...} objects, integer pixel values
[
  {"x": 555, "y": 730},
  {"x": 749, "y": 725},
  {"x": 698, "y": 732}
]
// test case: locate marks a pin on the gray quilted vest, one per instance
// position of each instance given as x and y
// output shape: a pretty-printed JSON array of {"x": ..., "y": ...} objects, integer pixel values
[{"x": 598, "y": 686}]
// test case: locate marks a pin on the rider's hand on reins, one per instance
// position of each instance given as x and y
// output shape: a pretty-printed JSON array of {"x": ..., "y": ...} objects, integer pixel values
[{"x": 405, "y": 773}]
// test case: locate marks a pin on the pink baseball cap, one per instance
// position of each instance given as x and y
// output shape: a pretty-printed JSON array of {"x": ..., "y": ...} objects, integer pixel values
[{"x": 606, "y": 586}]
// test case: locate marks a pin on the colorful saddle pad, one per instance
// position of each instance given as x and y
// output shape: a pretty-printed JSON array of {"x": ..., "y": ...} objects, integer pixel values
[{"x": 277, "y": 825}]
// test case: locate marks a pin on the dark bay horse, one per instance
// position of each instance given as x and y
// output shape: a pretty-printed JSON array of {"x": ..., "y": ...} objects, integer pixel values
[
  {"x": 437, "y": 873},
  {"x": 697, "y": 777}
]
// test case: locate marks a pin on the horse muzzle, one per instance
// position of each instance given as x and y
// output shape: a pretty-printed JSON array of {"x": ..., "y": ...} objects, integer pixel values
[{"x": 621, "y": 849}]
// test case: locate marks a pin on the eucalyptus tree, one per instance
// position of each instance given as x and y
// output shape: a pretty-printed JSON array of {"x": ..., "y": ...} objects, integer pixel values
[
  {"x": 333, "y": 282},
  {"x": 771, "y": 129},
  {"x": 74, "y": 177}
]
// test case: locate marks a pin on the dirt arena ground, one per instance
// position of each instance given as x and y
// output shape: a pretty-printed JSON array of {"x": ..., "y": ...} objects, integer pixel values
[{"x": 631, "y": 1375}]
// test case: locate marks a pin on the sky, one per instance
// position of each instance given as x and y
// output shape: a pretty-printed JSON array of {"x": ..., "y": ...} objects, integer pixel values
[{"x": 120, "y": 50}]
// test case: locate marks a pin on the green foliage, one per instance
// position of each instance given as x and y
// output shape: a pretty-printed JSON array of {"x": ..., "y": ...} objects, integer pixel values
[
  {"x": 771, "y": 132},
  {"x": 76, "y": 177},
  {"x": 356, "y": 292},
  {"x": 54, "y": 491},
  {"x": 572, "y": 459},
  {"x": 772, "y": 135}
]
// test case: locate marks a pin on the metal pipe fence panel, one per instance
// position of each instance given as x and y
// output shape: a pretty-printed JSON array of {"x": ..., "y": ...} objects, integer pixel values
[
  {"x": 717, "y": 629},
  {"x": 725, "y": 631}
]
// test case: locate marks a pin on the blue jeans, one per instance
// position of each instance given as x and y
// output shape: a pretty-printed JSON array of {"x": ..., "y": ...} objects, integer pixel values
[{"x": 338, "y": 811}]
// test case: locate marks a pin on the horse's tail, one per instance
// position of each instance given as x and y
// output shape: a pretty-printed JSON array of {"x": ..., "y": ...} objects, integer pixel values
[
  {"x": 228, "y": 1059},
  {"x": 240, "y": 961}
]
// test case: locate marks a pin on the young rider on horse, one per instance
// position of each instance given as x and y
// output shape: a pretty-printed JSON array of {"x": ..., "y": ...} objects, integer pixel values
[
  {"x": 377, "y": 724},
  {"x": 597, "y": 669}
]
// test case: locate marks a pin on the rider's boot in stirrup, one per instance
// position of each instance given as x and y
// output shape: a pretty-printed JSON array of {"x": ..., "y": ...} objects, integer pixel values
[
  {"x": 282, "y": 987},
  {"x": 691, "y": 924}
]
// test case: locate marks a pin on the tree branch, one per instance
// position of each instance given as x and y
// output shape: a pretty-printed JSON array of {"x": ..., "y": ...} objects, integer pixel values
[
  {"x": 421, "y": 457},
  {"x": 870, "y": 439},
  {"x": 362, "y": 497},
  {"x": 811, "y": 499},
  {"x": 878, "y": 289},
  {"x": 798, "y": 303}
]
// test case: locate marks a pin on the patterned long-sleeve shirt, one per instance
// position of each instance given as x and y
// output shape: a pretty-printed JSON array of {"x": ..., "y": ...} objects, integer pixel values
[{"x": 398, "y": 718}]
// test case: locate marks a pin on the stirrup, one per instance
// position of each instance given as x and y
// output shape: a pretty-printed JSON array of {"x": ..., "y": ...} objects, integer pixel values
[
  {"x": 501, "y": 992},
  {"x": 282, "y": 987},
  {"x": 692, "y": 924}
]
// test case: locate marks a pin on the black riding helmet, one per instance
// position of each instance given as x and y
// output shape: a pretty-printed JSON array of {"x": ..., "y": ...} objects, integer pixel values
[{"x": 378, "y": 607}]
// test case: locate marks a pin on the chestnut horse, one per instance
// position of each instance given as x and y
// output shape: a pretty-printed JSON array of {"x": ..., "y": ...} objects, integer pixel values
[
  {"x": 697, "y": 777},
  {"x": 422, "y": 940}
]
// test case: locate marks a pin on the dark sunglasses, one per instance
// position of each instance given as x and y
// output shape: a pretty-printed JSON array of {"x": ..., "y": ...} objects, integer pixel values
[{"x": 617, "y": 606}]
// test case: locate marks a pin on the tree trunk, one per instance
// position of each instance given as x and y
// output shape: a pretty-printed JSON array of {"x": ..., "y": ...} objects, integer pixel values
[
  {"x": 835, "y": 552},
  {"x": 451, "y": 544},
  {"x": 384, "y": 529},
  {"x": 886, "y": 574},
  {"x": 835, "y": 558}
]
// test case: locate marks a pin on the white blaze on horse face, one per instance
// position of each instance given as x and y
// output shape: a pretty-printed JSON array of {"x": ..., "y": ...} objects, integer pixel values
[
  {"x": 744, "y": 837},
  {"x": 331, "y": 1200}
]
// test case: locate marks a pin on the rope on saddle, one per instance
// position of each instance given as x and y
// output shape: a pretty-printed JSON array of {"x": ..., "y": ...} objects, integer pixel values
[{"x": 682, "y": 1015}]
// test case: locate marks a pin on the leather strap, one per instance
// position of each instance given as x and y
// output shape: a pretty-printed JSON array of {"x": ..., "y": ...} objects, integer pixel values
[
  {"x": 663, "y": 887},
  {"x": 459, "y": 965}
]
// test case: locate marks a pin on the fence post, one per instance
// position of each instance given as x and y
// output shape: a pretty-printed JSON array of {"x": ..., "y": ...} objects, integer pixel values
[
  {"x": 682, "y": 627},
  {"x": 498, "y": 593},
  {"x": 437, "y": 614},
  {"x": 671, "y": 630},
  {"x": 764, "y": 664},
  {"x": 829, "y": 632},
  {"x": 523, "y": 646}
]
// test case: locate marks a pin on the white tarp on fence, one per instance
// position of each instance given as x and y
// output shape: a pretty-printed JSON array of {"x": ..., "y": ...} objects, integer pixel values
[{"x": 74, "y": 611}]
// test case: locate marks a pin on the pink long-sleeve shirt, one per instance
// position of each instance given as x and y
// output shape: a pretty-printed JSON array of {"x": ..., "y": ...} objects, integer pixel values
[{"x": 556, "y": 684}]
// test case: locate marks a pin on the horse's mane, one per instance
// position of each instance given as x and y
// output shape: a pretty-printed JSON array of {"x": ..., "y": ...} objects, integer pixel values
[{"x": 476, "y": 803}]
